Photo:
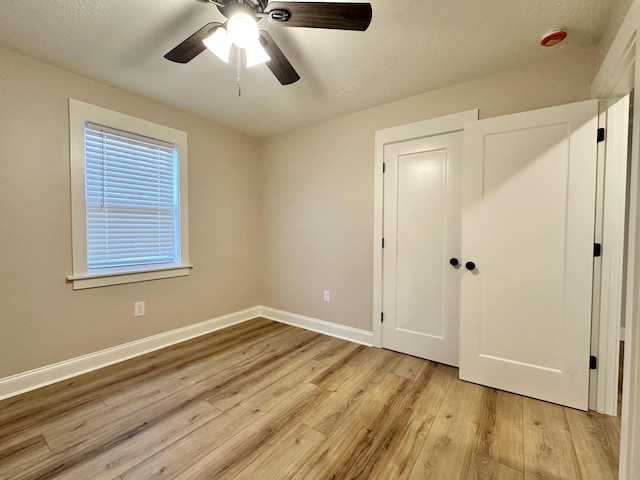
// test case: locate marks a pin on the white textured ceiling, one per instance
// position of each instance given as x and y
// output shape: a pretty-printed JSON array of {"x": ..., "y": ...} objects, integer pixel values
[{"x": 411, "y": 47}]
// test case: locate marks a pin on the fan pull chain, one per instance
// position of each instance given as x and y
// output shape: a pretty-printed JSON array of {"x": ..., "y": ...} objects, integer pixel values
[{"x": 238, "y": 69}]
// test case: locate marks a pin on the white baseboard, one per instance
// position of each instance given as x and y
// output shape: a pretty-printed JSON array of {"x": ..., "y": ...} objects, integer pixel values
[
  {"x": 40, "y": 377},
  {"x": 355, "y": 335}
]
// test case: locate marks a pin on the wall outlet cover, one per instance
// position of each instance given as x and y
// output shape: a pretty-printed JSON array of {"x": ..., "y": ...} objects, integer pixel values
[{"x": 139, "y": 309}]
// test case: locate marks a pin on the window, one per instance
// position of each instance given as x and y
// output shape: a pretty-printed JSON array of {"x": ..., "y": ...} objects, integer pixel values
[{"x": 129, "y": 202}]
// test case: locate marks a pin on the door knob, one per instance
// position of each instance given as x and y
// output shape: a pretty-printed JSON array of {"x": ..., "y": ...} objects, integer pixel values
[
  {"x": 454, "y": 262},
  {"x": 470, "y": 266}
]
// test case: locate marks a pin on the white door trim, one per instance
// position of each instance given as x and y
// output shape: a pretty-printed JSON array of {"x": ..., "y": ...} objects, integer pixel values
[
  {"x": 425, "y": 128},
  {"x": 612, "y": 160},
  {"x": 617, "y": 75}
]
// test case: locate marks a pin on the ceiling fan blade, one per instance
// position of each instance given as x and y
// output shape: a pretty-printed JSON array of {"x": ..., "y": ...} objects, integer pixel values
[
  {"x": 192, "y": 46},
  {"x": 279, "y": 65},
  {"x": 340, "y": 16}
]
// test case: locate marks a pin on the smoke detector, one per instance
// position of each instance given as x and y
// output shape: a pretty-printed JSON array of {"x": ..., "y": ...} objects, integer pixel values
[{"x": 553, "y": 37}]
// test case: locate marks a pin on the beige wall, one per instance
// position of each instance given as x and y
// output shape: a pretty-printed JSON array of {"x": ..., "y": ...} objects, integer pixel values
[
  {"x": 42, "y": 320},
  {"x": 318, "y": 186}
]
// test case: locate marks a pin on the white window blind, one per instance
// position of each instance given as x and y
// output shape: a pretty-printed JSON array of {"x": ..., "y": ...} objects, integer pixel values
[{"x": 132, "y": 209}]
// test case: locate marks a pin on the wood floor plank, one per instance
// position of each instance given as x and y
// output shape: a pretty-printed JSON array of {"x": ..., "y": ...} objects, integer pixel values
[
  {"x": 265, "y": 401},
  {"x": 589, "y": 432},
  {"x": 326, "y": 415},
  {"x": 171, "y": 461},
  {"x": 9, "y": 407},
  {"x": 83, "y": 442},
  {"x": 487, "y": 444},
  {"x": 80, "y": 426},
  {"x": 107, "y": 437},
  {"x": 226, "y": 461},
  {"x": 131, "y": 372},
  {"x": 387, "y": 434},
  {"x": 284, "y": 456},
  {"x": 336, "y": 351},
  {"x": 510, "y": 436},
  {"x": 155, "y": 360},
  {"x": 82, "y": 423},
  {"x": 484, "y": 468},
  {"x": 131, "y": 451},
  {"x": 363, "y": 365},
  {"x": 332, "y": 460},
  {"x": 401, "y": 460},
  {"x": 500, "y": 436},
  {"x": 231, "y": 362},
  {"x": 441, "y": 381},
  {"x": 37, "y": 415},
  {"x": 135, "y": 376},
  {"x": 192, "y": 366},
  {"x": 548, "y": 445},
  {"x": 16, "y": 458},
  {"x": 239, "y": 387},
  {"x": 409, "y": 367},
  {"x": 447, "y": 450}
]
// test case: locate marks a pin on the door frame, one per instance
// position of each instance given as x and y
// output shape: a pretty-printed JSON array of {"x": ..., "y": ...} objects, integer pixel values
[
  {"x": 619, "y": 73},
  {"x": 608, "y": 278},
  {"x": 412, "y": 131}
]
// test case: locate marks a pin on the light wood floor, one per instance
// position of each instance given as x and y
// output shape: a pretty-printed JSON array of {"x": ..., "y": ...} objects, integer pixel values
[{"x": 265, "y": 401}]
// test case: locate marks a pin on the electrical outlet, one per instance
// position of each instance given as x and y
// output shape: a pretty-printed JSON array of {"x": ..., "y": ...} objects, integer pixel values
[
  {"x": 327, "y": 296},
  {"x": 139, "y": 309}
]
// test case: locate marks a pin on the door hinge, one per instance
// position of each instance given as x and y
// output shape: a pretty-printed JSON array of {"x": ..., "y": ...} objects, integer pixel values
[
  {"x": 593, "y": 362},
  {"x": 382, "y": 242},
  {"x": 384, "y": 167},
  {"x": 601, "y": 135},
  {"x": 597, "y": 249},
  {"x": 381, "y": 316}
]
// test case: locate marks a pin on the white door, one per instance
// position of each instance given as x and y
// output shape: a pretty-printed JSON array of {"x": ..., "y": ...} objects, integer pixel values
[
  {"x": 422, "y": 221},
  {"x": 528, "y": 225}
]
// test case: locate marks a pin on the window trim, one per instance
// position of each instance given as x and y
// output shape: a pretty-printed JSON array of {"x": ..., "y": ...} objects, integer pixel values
[{"x": 79, "y": 114}]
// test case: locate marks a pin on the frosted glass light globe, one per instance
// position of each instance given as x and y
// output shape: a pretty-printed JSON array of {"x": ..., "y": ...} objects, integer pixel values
[
  {"x": 243, "y": 30},
  {"x": 219, "y": 43}
]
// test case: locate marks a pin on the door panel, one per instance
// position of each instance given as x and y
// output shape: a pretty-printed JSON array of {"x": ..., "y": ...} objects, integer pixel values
[
  {"x": 528, "y": 224},
  {"x": 422, "y": 231},
  {"x": 512, "y": 179}
]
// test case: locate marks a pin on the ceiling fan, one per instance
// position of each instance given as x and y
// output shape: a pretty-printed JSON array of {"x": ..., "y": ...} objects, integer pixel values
[{"x": 241, "y": 30}]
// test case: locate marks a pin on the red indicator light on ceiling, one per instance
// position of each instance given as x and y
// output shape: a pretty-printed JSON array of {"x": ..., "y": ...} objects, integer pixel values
[{"x": 552, "y": 38}]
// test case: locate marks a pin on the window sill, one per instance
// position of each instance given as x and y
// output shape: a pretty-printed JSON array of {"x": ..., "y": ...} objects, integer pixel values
[{"x": 81, "y": 282}]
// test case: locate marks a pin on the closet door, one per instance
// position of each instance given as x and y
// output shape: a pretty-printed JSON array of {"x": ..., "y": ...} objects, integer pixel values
[
  {"x": 422, "y": 221},
  {"x": 528, "y": 229}
]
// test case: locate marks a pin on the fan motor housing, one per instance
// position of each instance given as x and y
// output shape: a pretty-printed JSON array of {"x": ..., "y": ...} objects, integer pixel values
[{"x": 229, "y": 7}]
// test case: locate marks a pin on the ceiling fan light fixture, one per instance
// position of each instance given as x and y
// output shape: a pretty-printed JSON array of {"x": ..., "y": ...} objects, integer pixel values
[
  {"x": 256, "y": 54},
  {"x": 243, "y": 30},
  {"x": 219, "y": 43}
]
